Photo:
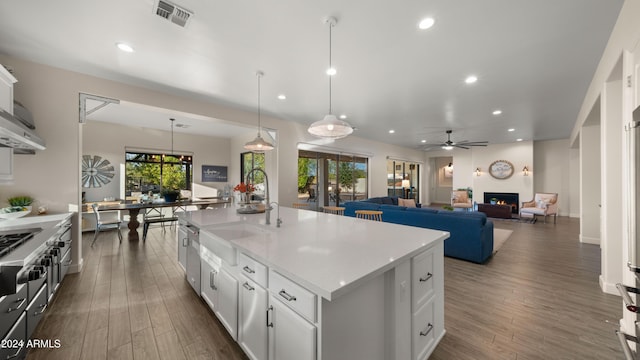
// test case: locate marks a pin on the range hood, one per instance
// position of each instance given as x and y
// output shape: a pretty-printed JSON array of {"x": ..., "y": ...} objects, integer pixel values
[{"x": 18, "y": 137}]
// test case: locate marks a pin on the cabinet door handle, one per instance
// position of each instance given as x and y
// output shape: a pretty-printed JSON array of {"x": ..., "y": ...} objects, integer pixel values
[
  {"x": 20, "y": 301},
  {"x": 426, "y": 331},
  {"x": 248, "y": 287},
  {"x": 43, "y": 307},
  {"x": 212, "y": 279},
  {"x": 286, "y": 296},
  {"x": 427, "y": 277},
  {"x": 628, "y": 302},
  {"x": 248, "y": 270},
  {"x": 185, "y": 242},
  {"x": 269, "y": 324}
]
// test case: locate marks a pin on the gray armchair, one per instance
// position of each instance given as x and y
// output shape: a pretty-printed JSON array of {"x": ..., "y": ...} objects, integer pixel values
[{"x": 104, "y": 225}]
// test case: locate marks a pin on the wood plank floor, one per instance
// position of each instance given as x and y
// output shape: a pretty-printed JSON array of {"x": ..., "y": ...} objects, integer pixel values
[{"x": 537, "y": 298}]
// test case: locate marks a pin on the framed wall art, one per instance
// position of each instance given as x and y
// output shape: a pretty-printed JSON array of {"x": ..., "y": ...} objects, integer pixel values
[{"x": 214, "y": 173}]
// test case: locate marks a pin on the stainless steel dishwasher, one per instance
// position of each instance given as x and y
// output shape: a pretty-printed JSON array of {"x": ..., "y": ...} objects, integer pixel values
[{"x": 193, "y": 257}]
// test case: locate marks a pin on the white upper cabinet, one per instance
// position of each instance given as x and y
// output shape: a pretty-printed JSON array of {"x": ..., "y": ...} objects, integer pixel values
[{"x": 6, "y": 90}]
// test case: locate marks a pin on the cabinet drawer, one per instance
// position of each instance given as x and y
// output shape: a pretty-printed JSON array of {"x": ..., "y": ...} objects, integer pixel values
[
  {"x": 11, "y": 306},
  {"x": 422, "y": 278},
  {"x": 36, "y": 310},
  {"x": 15, "y": 342},
  {"x": 253, "y": 269},
  {"x": 293, "y": 295},
  {"x": 423, "y": 331}
]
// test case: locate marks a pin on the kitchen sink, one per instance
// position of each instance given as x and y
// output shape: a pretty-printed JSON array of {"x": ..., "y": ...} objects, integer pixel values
[{"x": 217, "y": 239}]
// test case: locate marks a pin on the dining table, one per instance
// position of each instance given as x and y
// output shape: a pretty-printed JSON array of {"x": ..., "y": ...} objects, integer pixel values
[{"x": 134, "y": 207}]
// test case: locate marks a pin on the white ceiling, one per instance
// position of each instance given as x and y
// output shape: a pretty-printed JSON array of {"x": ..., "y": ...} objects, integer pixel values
[{"x": 534, "y": 59}]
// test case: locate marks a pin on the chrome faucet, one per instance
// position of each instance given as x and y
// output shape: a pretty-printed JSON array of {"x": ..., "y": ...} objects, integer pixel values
[{"x": 267, "y": 209}]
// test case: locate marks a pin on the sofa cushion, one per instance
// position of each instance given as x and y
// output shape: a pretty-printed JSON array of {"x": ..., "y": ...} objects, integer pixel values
[
  {"x": 387, "y": 201},
  {"x": 392, "y": 207},
  {"x": 375, "y": 200}
]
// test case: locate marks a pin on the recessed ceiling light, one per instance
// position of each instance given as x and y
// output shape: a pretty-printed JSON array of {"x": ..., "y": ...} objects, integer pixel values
[
  {"x": 426, "y": 23},
  {"x": 471, "y": 79},
  {"x": 511, "y": 130},
  {"x": 282, "y": 97},
  {"x": 518, "y": 139},
  {"x": 343, "y": 116},
  {"x": 124, "y": 47},
  {"x": 497, "y": 112},
  {"x": 423, "y": 141},
  {"x": 392, "y": 131},
  {"x": 331, "y": 71}
]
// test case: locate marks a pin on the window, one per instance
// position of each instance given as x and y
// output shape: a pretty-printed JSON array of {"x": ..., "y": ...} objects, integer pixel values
[
  {"x": 403, "y": 179},
  {"x": 331, "y": 179},
  {"x": 146, "y": 172},
  {"x": 248, "y": 161}
]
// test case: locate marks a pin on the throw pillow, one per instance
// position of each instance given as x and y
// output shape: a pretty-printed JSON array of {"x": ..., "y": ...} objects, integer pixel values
[{"x": 407, "y": 202}]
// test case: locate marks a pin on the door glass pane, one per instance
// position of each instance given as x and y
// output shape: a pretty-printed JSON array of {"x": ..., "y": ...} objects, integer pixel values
[
  {"x": 330, "y": 191},
  {"x": 307, "y": 178}
]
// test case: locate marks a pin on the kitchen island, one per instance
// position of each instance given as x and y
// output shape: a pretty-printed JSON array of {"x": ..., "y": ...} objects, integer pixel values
[{"x": 320, "y": 286}]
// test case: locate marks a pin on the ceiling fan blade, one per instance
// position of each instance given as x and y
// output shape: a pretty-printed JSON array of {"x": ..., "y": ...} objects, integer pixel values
[
  {"x": 460, "y": 146},
  {"x": 472, "y": 142}
]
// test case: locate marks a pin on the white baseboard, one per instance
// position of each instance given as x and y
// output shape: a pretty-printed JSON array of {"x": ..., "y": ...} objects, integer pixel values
[
  {"x": 607, "y": 287},
  {"x": 76, "y": 267},
  {"x": 589, "y": 240},
  {"x": 573, "y": 215}
]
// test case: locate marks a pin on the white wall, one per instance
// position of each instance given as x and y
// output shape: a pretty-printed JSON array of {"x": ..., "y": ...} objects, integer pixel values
[
  {"x": 590, "y": 189},
  {"x": 465, "y": 163},
  {"x": 552, "y": 161},
  {"x": 109, "y": 141}
]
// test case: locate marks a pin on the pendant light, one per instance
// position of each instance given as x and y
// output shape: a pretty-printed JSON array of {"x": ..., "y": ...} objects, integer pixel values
[
  {"x": 258, "y": 144},
  {"x": 330, "y": 127}
]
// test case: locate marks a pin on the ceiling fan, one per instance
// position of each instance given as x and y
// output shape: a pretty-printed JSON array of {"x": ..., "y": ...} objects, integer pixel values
[{"x": 465, "y": 144}]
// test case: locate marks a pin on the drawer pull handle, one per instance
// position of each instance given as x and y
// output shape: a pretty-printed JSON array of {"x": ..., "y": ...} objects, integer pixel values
[
  {"x": 624, "y": 292},
  {"x": 426, "y": 331},
  {"x": 185, "y": 242},
  {"x": 68, "y": 263},
  {"x": 248, "y": 270},
  {"x": 248, "y": 287},
  {"x": 15, "y": 354},
  {"x": 212, "y": 280},
  {"x": 20, "y": 301},
  {"x": 43, "y": 307},
  {"x": 286, "y": 296},
  {"x": 426, "y": 278},
  {"x": 269, "y": 324}
]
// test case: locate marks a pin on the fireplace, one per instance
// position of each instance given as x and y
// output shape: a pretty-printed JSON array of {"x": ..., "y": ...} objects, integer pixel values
[{"x": 512, "y": 199}]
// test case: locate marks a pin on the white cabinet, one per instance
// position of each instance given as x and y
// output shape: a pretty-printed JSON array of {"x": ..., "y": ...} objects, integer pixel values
[
  {"x": 220, "y": 291},
  {"x": 6, "y": 165},
  {"x": 291, "y": 337},
  {"x": 6, "y": 90},
  {"x": 252, "y": 318},
  {"x": 183, "y": 243}
]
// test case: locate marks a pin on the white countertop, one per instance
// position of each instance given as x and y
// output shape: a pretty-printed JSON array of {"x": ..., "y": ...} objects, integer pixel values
[
  {"x": 328, "y": 254},
  {"x": 47, "y": 226}
]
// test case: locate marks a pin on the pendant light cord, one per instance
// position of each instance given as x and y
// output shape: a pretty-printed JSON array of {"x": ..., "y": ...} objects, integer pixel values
[
  {"x": 330, "y": 67},
  {"x": 172, "y": 121},
  {"x": 259, "y": 126}
]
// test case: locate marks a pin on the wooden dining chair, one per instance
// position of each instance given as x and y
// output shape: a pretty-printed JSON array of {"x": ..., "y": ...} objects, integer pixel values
[
  {"x": 375, "y": 215},
  {"x": 299, "y": 206},
  {"x": 337, "y": 210}
]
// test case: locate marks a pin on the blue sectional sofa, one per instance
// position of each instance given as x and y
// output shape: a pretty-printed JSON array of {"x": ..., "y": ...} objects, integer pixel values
[{"x": 471, "y": 234}]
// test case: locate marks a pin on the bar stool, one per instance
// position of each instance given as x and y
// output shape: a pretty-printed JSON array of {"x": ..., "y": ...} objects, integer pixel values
[
  {"x": 336, "y": 210},
  {"x": 375, "y": 215},
  {"x": 300, "y": 206}
]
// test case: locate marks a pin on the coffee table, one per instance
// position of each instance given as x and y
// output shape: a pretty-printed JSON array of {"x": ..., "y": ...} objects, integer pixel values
[{"x": 496, "y": 211}]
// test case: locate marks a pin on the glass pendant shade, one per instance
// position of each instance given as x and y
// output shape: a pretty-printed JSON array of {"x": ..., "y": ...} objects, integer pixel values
[
  {"x": 258, "y": 145},
  {"x": 330, "y": 127}
]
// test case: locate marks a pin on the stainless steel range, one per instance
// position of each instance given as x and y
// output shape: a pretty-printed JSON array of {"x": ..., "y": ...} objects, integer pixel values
[{"x": 33, "y": 262}]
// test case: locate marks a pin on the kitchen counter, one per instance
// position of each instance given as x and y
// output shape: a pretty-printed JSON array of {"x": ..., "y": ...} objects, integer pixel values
[{"x": 327, "y": 254}]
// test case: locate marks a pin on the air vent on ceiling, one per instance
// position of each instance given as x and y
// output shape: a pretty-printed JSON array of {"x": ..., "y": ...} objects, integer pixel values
[{"x": 172, "y": 12}]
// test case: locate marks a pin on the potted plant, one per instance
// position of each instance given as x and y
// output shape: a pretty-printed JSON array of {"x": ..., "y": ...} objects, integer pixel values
[
  {"x": 493, "y": 201},
  {"x": 170, "y": 194},
  {"x": 23, "y": 201}
]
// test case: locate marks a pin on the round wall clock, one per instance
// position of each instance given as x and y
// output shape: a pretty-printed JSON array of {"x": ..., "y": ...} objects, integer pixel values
[
  {"x": 501, "y": 169},
  {"x": 96, "y": 171}
]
